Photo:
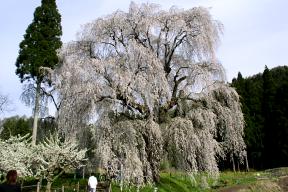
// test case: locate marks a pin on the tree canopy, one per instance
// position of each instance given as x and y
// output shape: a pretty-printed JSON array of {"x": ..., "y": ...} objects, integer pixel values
[
  {"x": 41, "y": 41},
  {"x": 148, "y": 87}
]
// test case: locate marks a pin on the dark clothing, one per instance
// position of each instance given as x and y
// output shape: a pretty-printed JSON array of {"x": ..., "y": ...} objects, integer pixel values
[{"x": 10, "y": 188}]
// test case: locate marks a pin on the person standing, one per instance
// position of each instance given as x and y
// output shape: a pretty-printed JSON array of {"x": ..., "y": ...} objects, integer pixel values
[
  {"x": 92, "y": 183},
  {"x": 11, "y": 183}
]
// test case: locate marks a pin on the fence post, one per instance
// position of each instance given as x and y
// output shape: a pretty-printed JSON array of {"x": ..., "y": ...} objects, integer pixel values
[
  {"x": 63, "y": 188},
  {"x": 38, "y": 186},
  {"x": 78, "y": 186},
  {"x": 121, "y": 177},
  {"x": 83, "y": 173},
  {"x": 110, "y": 188}
]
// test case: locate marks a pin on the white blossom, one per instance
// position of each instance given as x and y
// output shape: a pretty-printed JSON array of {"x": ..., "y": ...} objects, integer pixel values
[
  {"x": 16, "y": 153},
  {"x": 153, "y": 80},
  {"x": 47, "y": 160}
]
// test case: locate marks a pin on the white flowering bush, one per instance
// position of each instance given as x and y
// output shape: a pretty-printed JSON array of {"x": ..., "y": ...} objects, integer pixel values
[
  {"x": 57, "y": 156},
  {"x": 16, "y": 153},
  {"x": 47, "y": 160}
]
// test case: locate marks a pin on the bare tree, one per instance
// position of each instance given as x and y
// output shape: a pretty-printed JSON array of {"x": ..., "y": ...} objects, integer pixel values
[
  {"x": 4, "y": 103},
  {"x": 146, "y": 78}
]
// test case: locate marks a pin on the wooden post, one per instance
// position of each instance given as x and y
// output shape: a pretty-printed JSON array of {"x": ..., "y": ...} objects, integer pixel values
[
  {"x": 246, "y": 162},
  {"x": 121, "y": 177},
  {"x": 78, "y": 186},
  {"x": 38, "y": 186},
  {"x": 110, "y": 188},
  {"x": 83, "y": 173},
  {"x": 63, "y": 188}
]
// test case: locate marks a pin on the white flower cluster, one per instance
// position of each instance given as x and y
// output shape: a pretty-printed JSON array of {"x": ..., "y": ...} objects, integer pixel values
[
  {"x": 16, "y": 153},
  {"x": 45, "y": 160}
]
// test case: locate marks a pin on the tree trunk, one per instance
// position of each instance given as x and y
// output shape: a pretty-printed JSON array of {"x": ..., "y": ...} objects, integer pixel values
[
  {"x": 238, "y": 165},
  {"x": 233, "y": 163},
  {"x": 36, "y": 113}
]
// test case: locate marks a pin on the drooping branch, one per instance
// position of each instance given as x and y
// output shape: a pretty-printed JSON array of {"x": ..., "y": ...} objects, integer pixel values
[
  {"x": 49, "y": 94},
  {"x": 4, "y": 102},
  {"x": 150, "y": 66}
]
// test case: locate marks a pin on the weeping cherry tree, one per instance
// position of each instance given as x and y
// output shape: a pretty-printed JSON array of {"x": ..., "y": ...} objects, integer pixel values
[{"x": 149, "y": 83}]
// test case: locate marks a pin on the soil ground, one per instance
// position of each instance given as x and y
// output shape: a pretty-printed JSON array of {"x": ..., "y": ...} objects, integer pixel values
[{"x": 265, "y": 185}]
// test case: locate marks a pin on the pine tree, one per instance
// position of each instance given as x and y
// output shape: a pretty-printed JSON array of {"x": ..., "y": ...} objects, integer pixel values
[
  {"x": 267, "y": 109},
  {"x": 38, "y": 51}
]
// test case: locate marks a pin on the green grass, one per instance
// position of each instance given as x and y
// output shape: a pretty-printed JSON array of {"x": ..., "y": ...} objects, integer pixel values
[
  {"x": 236, "y": 178},
  {"x": 181, "y": 182}
]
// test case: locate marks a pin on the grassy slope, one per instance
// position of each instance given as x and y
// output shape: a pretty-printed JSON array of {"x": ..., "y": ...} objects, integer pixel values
[
  {"x": 267, "y": 181},
  {"x": 183, "y": 183}
]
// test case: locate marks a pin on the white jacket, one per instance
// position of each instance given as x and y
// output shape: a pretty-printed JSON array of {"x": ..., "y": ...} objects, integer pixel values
[{"x": 92, "y": 182}]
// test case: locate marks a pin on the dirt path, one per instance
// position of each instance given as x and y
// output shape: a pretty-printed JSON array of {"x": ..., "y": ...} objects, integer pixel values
[
  {"x": 235, "y": 188},
  {"x": 281, "y": 185}
]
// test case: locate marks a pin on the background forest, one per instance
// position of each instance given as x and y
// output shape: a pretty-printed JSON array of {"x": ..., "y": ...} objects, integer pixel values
[{"x": 264, "y": 99}]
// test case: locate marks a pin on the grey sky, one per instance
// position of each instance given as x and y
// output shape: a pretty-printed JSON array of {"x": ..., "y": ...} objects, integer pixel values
[{"x": 255, "y": 35}]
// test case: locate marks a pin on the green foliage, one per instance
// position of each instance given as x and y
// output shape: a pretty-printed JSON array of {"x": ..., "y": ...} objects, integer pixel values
[
  {"x": 264, "y": 104},
  {"x": 42, "y": 39},
  {"x": 16, "y": 125},
  {"x": 47, "y": 126},
  {"x": 165, "y": 165}
]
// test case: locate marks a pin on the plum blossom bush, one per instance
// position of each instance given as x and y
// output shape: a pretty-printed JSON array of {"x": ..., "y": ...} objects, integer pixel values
[
  {"x": 47, "y": 160},
  {"x": 56, "y": 156},
  {"x": 16, "y": 153}
]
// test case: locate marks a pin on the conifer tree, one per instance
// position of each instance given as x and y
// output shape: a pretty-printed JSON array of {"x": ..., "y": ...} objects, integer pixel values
[{"x": 38, "y": 51}]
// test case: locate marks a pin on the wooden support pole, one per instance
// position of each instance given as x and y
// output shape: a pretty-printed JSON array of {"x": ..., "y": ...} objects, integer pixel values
[{"x": 38, "y": 187}]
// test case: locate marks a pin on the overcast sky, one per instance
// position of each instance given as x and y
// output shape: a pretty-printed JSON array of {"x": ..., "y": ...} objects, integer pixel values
[{"x": 255, "y": 33}]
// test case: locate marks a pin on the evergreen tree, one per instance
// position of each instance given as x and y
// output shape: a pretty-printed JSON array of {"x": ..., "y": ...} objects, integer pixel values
[
  {"x": 269, "y": 136},
  {"x": 281, "y": 124},
  {"x": 249, "y": 91},
  {"x": 38, "y": 51},
  {"x": 264, "y": 104}
]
